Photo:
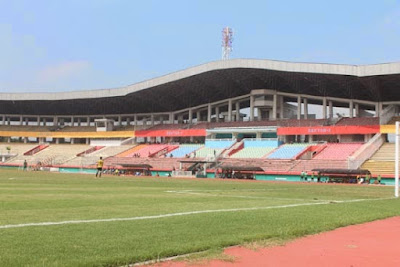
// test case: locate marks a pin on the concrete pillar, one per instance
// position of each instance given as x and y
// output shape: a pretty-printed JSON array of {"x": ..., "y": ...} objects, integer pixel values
[
  {"x": 310, "y": 138},
  {"x": 324, "y": 108},
  {"x": 217, "y": 114},
  {"x": 57, "y": 141},
  {"x": 251, "y": 108},
  {"x": 351, "y": 109},
  {"x": 259, "y": 114},
  {"x": 198, "y": 116},
  {"x": 190, "y": 115},
  {"x": 135, "y": 118},
  {"x": 180, "y": 118},
  {"x": 377, "y": 111},
  {"x": 237, "y": 108},
  {"x": 21, "y": 120},
  {"x": 357, "y": 109},
  {"x": 274, "y": 106},
  {"x": 171, "y": 118},
  {"x": 128, "y": 121},
  {"x": 88, "y": 121},
  {"x": 55, "y": 121},
  {"x": 152, "y": 119},
  {"x": 209, "y": 109},
  {"x": 26, "y": 121},
  {"x": 72, "y": 141},
  {"x": 298, "y": 107},
  {"x": 330, "y": 109},
  {"x": 229, "y": 109},
  {"x": 79, "y": 121},
  {"x": 38, "y": 120},
  {"x": 9, "y": 140},
  {"x": 119, "y": 121},
  {"x": 44, "y": 122},
  {"x": 305, "y": 101},
  {"x": 258, "y": 135},
  {"x": 87, "y": 141},
  {"x": 25, "y": 140},
  {"x": 4, "y": 120},
  {"x": 281, "y": 107}
]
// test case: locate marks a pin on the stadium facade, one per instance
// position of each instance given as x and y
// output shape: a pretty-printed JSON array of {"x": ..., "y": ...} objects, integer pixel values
[{"x": 236, "y": 98}]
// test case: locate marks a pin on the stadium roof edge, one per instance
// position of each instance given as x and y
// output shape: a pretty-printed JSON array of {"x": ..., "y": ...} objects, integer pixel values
[{"x": 284, "y": 66}]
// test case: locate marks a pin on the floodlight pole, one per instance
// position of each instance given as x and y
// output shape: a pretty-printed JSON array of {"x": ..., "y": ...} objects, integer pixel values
[{"x": 396, "y": 176}]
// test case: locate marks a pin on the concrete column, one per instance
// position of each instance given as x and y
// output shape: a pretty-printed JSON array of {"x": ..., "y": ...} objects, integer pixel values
[
  {"x": 135, "y": 120},
  {"x": 330, "y": 109},
  {"x": 351, "y": 109},
  {"x": 57, "y": 141},
  {"x": 258, "y": 135},
  {"x": 298, "y": 107},
  {"x": 79, "y": 121},
  {"x": 310, "y": 138},
  {"x": 119, "y": 121},
  {"x": 274, "y": 106},
  {"x": 190, "y": 115},
  {"x": 4, "y": 120},
  {"x": 87, "y": 141},
  {"x": 209, "y": 109},
  {"x": 152, "y": 119},
  {"x": 217, "y": 114},
  {"x": 324, "y": 108},
  {"x": 55, "y": 121},
  {"x": 21, "y": 120},
  {"x": 72, "y": 141},
  {"x": 237, "y": 108},
  {"x": 281, "y": 107},
  {"x": 198, "y": 116},
  {"x": 305, "y": 101},
  {"x": 25, "y": 140},
  {"x": 72, "y": 121},
  {"x": 180, "y": 118},
  {"x": 229, "y": 109},
  {"x": 171, "y": 118},
  {"x": 44, "y": 122},
  {"x": 9, "y": 140},
  {"x": 377, "y": 111},
  {"x": 128, "y": 121},
  {"x": 251, "y": 108},
  {"x": 38, "y": 120},
  {"x": 26, "y": 121},
  {"x": 357, "y": 109},
  {"x": 88, "y": 121}
]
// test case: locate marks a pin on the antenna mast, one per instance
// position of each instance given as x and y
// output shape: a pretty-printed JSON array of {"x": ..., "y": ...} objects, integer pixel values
[{"x": 227, "y": 39}]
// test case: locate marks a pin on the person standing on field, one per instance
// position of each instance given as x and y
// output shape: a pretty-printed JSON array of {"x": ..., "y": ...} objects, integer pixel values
[{"x": 100, "y": 164}]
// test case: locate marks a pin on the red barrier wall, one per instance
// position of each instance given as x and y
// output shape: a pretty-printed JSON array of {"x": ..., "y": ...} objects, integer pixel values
[
  {"x": 329, "y": 130},
  {"x": 171, "y": 133}
]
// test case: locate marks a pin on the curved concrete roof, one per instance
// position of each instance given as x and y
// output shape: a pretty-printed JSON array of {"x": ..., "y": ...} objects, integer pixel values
[{"x": 282, "y": 66}]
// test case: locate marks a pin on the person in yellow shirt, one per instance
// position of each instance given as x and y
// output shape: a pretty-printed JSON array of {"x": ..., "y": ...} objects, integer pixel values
[{"x": 100, "y": 164}]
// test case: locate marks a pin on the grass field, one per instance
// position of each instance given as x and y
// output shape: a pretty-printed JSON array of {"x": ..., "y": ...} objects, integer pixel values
[{"x": 52, "y": 219}]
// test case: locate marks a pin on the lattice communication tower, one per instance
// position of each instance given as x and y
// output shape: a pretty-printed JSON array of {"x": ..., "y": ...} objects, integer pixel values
[{"x": 227, "y": 39}]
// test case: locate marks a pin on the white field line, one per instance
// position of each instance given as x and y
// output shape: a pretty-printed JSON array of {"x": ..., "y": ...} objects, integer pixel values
[
  {"x": 181, "y": 214},
  {"x": 188, "y": 192}
]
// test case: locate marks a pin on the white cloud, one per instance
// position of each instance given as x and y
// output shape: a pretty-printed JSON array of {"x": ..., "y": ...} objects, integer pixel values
[{"x": 63, "y": 71}]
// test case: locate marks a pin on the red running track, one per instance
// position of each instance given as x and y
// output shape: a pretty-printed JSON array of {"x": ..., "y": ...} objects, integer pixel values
[{"x": 365, "y": 245}]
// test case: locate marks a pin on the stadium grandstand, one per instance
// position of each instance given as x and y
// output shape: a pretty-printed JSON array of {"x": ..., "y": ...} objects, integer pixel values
[{"x": 266, "y": 119}]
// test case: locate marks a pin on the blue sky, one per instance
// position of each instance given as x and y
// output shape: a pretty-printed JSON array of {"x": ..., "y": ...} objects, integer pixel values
[{"x": 54, "y": 45}]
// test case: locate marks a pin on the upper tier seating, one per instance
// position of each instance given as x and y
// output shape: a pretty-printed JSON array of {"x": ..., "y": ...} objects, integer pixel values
[
  {"x": 183, "y": 151},
  {"x": 205, "y": 152},
  {"x": 168, "y": 127},
  {"x": 287, "y": 151},
  {"x": 358, "y": 121},
  {"x": 383, "y": 161},
  {"x": 52, "y": 155},
  {"x": 253, "y": 152},
  {"x": 256, "y": 148},
  {"x": 338, "y": 151}
]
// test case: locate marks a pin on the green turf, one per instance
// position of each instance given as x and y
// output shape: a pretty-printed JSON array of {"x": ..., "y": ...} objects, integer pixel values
[{"x": 34, "y": 197}]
